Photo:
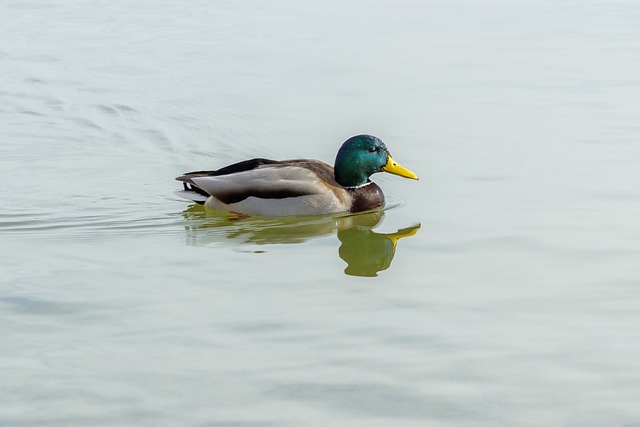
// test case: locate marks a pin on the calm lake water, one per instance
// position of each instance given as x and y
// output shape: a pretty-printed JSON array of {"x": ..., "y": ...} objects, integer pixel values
[{"x": 513, "y": 298}]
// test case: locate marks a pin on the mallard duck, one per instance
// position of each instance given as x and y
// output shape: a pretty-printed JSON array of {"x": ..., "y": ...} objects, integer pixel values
[{"x": 297, "y": 187}]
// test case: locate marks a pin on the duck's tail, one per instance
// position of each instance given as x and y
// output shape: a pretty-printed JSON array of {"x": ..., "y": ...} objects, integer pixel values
[
  {"x": 191, "y": 195},
  {"x": 191, "y": 191}
]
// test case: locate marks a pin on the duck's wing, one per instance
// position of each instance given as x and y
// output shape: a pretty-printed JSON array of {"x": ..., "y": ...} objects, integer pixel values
[
  {"x": 194, "y": 193},
  {"x": 263, "y": 179}
]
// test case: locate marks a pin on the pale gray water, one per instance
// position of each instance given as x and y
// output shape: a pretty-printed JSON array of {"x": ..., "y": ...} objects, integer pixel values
[{"x": 516, "y": 303}]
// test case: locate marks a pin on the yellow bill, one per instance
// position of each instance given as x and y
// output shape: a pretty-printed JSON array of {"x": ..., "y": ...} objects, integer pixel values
[{"x": 396, "y": 169}]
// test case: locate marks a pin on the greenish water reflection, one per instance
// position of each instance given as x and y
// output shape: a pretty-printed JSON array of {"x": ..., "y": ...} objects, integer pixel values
[{"x": 365, "y": 251}]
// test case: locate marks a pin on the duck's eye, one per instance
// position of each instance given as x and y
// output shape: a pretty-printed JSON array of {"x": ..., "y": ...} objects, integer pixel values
[{"x": 373, "y": 149}]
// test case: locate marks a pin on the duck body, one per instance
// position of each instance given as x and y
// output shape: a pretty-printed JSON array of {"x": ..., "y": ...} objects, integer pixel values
[{"x": 297, "y": 187}]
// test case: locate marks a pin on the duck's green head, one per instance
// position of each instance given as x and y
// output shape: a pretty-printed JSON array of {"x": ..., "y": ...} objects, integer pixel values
[{"x": 361, "y": 156}]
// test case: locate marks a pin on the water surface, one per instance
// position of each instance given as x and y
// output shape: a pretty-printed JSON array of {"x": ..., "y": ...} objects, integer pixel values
[{"x": 512, "y": 299}]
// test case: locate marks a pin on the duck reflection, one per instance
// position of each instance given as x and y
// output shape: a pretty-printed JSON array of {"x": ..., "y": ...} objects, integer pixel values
[{"x": 365, "y": 251}]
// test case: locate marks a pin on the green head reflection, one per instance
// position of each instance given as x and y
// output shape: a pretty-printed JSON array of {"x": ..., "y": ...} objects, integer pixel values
[{"x": 367, "y": 252}]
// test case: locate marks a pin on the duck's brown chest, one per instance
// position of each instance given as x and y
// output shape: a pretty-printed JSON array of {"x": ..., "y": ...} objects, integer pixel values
[{"x": 366, "y": 197}]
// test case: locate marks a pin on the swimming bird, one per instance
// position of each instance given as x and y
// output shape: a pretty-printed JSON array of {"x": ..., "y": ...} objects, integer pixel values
[{"x": 297, "y": 187}]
